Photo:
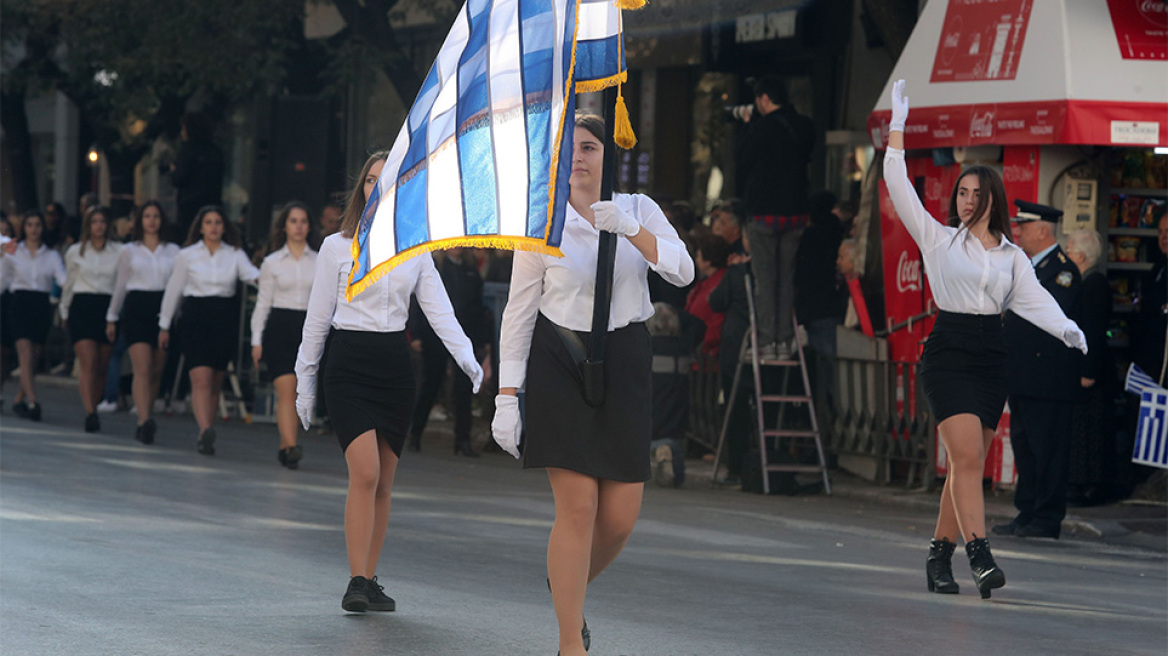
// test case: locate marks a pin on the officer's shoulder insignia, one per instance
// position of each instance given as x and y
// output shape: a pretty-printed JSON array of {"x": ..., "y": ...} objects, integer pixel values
[
  {"x": 1062, "y": 258},
  {"x": 1064, "y": 279},
  {"x": 1043, "y": 263}
]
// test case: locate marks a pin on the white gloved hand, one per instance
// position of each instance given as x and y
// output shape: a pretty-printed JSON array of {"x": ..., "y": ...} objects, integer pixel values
[
  {"x": 507, "y": 425},
  {"x": 473, "y": 371},
  {"x": 899, "y": 107},
  {"x": 1074, "y": 338},
  {"x": 610, "y": 218},
  {"x": 304, "y": 406}
]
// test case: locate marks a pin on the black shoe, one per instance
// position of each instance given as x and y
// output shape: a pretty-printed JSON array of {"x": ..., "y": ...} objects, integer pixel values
[
  {"x": 464, "y": 449},
  {"x": 986, "y": 573},
  {"x": 1034, "y": 530},
  {"x": 356, "y": 598},
  {"x": 292, "y": 456},
  {"x": 206, "y": 443},
  {"x": 20, "y": 409},
  {"x": 282, "y": 457},
  {"x": 939, "y": 567},
  {"x": 34, "y": 412},
  {"x": 1009, "y": 529},
  {"x": 414, "y": 444},
  {"x": 378, "y": 600},
  {"x": 145, "y": 432},
  {"x": 92, "y": 423}
]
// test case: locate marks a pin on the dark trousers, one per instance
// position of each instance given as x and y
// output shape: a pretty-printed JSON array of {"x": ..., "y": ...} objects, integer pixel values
[
  {"x": 738, "y": 431},
  {"x": 1040, "y": 434},
  {"x": 434, "y": 362}
]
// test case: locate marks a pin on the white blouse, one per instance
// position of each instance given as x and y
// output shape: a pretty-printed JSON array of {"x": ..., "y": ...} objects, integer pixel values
[
  {"x": 141, "y": 270},
  {"x": 91, "y": 273},
  {"x": 35, "y": 273},
  {"x": 199, "y": 273},
  {"x": 563, "y": 288},
  {"x": 285, "y": 283},
  {"x": 966, "y": 277},
  {"x": 383, "y": 307}
]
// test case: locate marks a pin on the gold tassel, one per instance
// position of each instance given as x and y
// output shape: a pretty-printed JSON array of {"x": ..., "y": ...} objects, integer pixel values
[
  {"x": 623, "y": 129},
  {"x": 630, "y": 4}
]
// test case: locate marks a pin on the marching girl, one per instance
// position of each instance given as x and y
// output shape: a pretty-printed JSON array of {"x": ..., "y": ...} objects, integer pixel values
[
  {"x": 597, "y": 459},
  {"x": 368, "y": 381},
  {"x": 34, "y": 268},
  {"x": 203, "y": 279},
  {"x": 7, "y": 248},
  {"x": 278, "y": 319},
  {"x": 977, "y": 273},
  {"x": 143, "y": 270},
  {"x": 91, "y": 266}
]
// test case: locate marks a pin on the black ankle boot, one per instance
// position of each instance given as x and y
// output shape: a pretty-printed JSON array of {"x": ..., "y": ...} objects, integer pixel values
[
  {"x": 939, "y": 567},
  {"x": 986, "y": 573}
]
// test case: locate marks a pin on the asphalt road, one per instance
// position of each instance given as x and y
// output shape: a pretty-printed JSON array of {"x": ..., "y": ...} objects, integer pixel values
[{"x": 111, "y": 547}]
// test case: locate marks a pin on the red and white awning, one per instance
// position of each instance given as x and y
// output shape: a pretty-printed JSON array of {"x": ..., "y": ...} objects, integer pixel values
[{"x": 1027, "y": 72}]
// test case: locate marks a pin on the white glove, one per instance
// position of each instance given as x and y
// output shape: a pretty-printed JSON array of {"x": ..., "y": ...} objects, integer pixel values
[
  {"x": 304, "y": 406},
  {"x": 507, "y": 425},
  {"x": 610, "y": 218},
  {"x": 473, "y": 370},
  {"x": 1074, "y": 338},
  {"x": 899, "y": 107}
]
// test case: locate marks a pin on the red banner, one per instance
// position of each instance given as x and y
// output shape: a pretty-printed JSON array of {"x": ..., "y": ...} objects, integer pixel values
[
  {"x": 1141, "y": 28},
  {"x": 981, "y": 40}
]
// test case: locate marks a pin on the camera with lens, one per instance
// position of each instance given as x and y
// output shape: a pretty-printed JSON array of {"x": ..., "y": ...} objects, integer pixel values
[{"x": 739, "y": 112}]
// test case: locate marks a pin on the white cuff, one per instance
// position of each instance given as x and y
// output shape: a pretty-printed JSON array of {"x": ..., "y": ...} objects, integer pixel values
[
  {"x": 512, "y": 373},
  {"x": 669, "y": 256}
]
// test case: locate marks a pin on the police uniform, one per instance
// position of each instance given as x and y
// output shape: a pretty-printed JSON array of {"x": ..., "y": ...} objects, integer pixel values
[{"x": 1043, "y": 381}]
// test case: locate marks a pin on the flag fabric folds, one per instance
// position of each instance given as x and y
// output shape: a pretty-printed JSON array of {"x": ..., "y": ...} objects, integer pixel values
[{"x": 484, "y": 155}]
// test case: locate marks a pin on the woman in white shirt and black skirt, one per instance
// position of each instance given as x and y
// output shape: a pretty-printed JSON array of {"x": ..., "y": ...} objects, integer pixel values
[
  {"x": 34, "y": 268},
  {"x": 278, "y": 319},
  {"x": 91, "y": 265},
  {"x": 597, "y": 459},
  {"x": 976, "y": 273},
  {"x": 368, "y": 379},
  {"x": 203, "y": 279},
  {"x": 144, "y": 268}
]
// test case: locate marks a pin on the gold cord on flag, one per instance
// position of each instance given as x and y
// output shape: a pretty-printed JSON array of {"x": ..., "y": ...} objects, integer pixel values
[
  {"x": 630, "y": 4},
  {"x": 622, "y": 131}
]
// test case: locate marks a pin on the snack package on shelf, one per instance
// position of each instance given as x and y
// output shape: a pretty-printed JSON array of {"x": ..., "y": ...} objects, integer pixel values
[
  {"x": 1151, "y": 212},
  {"x": 1113, "y": 212},
  {"x": 1134, "y": 169},
  {"x": 1156, "y": 170},
  {"x": 1120, "y": 290},
  {"x": 1129, "y": 213},
  {"x": 1127, "y": 249}
]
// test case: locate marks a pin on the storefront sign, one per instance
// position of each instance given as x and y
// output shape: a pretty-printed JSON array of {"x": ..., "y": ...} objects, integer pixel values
[
  {"x": 1145, "y": 133},
  {"x": 765, "y": 27},
  {"x": 981, "y": 40},
  {"x": 1141, "y": 28}
]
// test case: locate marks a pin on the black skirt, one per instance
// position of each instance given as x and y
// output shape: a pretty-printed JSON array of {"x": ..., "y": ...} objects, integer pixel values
[
  {"x": 282, "y": 341},
  {"x": 368, "y": 385},
  {"x": 610, "y": 442},
  {"x": 963, "y": 367},
  {"x": 6, "y": 339},
  {"x": 87, "y": 317},
  {"x": 210, "y": 331},
  {"x": 30, "y": 316},
  {"x": 139, "y": 318}
]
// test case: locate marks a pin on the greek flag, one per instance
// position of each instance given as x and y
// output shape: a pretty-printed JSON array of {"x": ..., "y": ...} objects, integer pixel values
[
  {"x": 1137, "y": 381},
  {"x": 484, "y": 155},
  {"x": 1152, "y": 429}
]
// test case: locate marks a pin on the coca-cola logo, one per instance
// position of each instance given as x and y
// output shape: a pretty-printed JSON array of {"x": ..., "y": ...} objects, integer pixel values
[
  {"x": 908, "y": 273},
  {"x": 1154, "y": 11},
  {"x": 982, "y": 126}
]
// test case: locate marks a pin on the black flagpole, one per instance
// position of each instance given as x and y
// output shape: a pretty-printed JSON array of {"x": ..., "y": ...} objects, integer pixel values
[{"x": 593, "y": 369}]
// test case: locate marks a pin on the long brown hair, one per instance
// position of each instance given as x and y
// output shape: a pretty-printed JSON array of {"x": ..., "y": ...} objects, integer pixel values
[
  {"x": 999, "y": 210},
  {"x": 356, "y": 203},
  {"x": 195, "y": 235},
  {"x": 279, "y": 237},
  {"x": 87, "y": 225},
  {"x": 137, "y": 232}
]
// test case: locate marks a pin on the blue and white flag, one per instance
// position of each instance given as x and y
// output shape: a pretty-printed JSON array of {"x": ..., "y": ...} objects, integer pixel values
[
  {"x": 484, "y": 156},
  {"x": 1137, "y": 381},
  {"x": 1151, "y": 446}
]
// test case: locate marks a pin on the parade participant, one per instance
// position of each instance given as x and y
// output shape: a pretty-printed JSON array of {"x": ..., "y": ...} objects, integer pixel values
[
  {"x": 278, "y": 319},
  {"x": 144, "y": 268},
  {"x": 976, "y": 274},
  {"x": 597, "y": 458},
  {"x": 368, "y": 380},
  {"x": 34, "y": 268},
  {"x": 203, "y": 280},
  {"x": 7, "y": 247},
  {"x": 91, "y": 265}
]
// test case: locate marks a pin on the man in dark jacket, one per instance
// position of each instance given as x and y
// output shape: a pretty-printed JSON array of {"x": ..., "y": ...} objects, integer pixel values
[
  {"x": 820, "y": 297},
  {"x": 1043, "y": 383},
  {"x": 730, "y": 298}
]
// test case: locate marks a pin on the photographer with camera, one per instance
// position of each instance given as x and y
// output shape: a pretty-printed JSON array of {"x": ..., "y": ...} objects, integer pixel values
[{"x": 772, "y": 164}]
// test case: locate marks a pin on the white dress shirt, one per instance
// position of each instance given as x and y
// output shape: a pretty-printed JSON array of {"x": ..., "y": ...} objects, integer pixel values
[
  {"x": 199, "y": 273},
  {"x": 382, "y": 307},
  {"x": 563, "y": 288},
  {"x": 91, "y": 273},
  {"x": 35, "y": 273},
  {"x": 964, "y": 275},
  {"x": 285, "y": 283},
  {"x": 141, "y": 270}
]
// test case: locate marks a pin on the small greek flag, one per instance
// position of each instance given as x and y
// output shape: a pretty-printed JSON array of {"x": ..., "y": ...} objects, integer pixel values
[
  {"x": 484, "y": 155},
  {"x": 1137, "y": 381},
  {"x": 1152, "y": 429}
]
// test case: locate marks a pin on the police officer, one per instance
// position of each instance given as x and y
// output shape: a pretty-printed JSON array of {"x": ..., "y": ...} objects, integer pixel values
[{"x": 1043, "y": 377}]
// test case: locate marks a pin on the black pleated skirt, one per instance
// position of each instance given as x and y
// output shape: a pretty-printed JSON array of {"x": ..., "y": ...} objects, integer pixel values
[
  {"x": 87, "y": 317},
  {"x": 210, "y": 331},
  {"x": 963, "y": 367},
  {"x": 282, "y": 341},
  {"x": 610, "y": 442},
  {"x": 30, "y": 316},
  {"x": 368, "y": 383},
  {"x": 138, "y": 320}
]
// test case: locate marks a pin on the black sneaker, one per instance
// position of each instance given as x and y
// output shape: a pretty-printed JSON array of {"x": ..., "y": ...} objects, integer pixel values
[
  {"x": 356, "y": 598},
  {"x": 206, "y": 443},
  {"x": 378, "y": 600},
  {"x": 292, "y": 457},
  {"x": 92, "y": 423},
  {"x": 20, "y": 409},
  {"x": 34, "y": 412},
  {"x": 146, "y": 432}
]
